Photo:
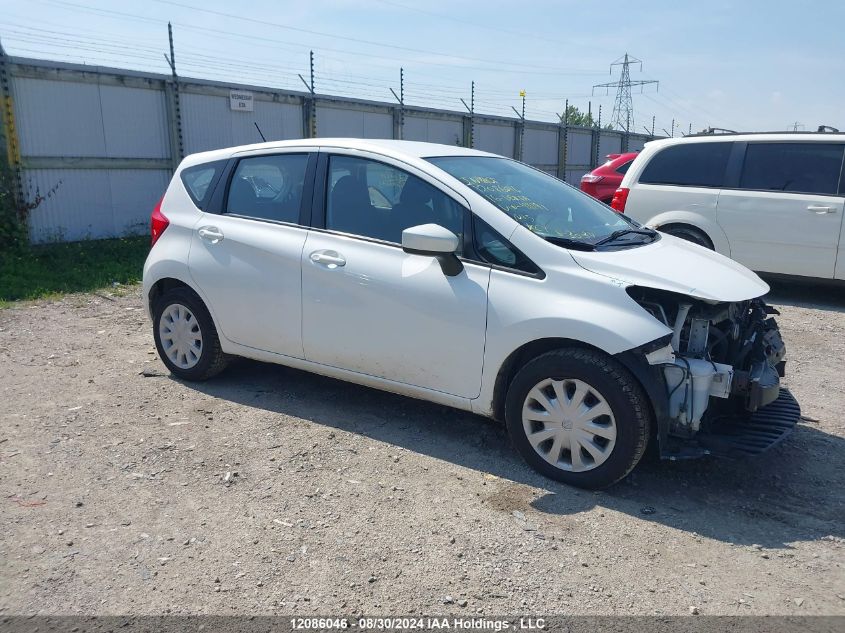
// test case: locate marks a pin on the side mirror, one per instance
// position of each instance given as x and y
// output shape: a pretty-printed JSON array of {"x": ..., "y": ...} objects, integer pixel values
[{"x": 435, "y": 241}]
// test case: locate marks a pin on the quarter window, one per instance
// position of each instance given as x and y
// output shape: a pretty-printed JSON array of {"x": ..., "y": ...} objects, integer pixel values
[
  {"x": 378, "y": 201},
  {"x": 688, "y": 164},
  {"x": 198, "y": 181},
  {"x": 268, "y": 187},
  {"x": 493, "y": 248},
  {"x": 795, "y": 167}
]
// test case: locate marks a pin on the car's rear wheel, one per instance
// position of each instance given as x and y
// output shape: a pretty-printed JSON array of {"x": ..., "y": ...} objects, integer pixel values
[
  {"x": 578, "y": 416},
  {"x": 690, "y": 234},
  {"x": 185, "y": 336}
]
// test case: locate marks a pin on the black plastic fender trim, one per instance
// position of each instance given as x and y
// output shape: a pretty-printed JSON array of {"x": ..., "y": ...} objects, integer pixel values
[{"x": 652, "y": 380}]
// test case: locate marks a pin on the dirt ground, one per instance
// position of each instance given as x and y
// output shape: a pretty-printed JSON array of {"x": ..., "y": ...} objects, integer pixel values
[{"x": 269, "y": 490}]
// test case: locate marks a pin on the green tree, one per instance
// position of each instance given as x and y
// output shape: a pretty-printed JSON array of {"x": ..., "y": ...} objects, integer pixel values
[{"x": 574, "y": 116}]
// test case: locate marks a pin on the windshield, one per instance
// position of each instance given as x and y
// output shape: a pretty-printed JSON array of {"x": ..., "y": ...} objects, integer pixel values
[{"x": 547, "y": 206}]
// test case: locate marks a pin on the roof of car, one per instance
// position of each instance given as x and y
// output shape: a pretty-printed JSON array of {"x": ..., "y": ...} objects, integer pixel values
[
  {"x": 388, "y": 147},
  {"x": 813, "y": 137}
]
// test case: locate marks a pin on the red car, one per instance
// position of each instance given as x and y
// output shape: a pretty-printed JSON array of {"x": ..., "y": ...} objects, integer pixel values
[{"x": 603, "y": 181}]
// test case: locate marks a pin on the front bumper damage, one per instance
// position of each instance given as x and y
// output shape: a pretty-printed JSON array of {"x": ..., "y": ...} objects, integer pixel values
[
  {"x": 746, "y": 436},
  {"x": 715, "y": 382}
]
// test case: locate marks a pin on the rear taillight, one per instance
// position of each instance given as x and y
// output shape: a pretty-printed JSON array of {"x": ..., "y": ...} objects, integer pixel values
[
  {"x": 158, "y": 222},
  {"x": 620, "y": 198},
  {"x": 591, "y": 178}
]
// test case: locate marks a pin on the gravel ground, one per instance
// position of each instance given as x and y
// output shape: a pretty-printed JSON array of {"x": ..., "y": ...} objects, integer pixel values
[{"x": 269, "y": 490}]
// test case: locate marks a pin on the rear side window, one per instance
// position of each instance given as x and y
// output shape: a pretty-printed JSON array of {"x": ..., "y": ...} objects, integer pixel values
[
  {"x": 623, "y": 168},
  {"x": 795, "y": 167},
  {"x": 268, "y": 187},
  {"x": 688, "y": 164},
  {"x": 199, "y": 181}
]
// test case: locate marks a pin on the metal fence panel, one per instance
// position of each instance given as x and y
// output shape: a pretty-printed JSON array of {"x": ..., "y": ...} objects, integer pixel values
[
  {"x": 134, "y": 193},
  {"x": 208, "y": 122},
  {"x": 498, "y": 139},
  {"x": 134, "y": 122},
  {"x": 573, "y": 176},
  {"x": 636, "y": 143},
  {"x": 420, "y": 128},
  {"x": 58, "y": 118},
  {"x": 348, "y": 122},
  {"x": 94, "y": 203},
  {"x": 609, "y": 143},
  {"x": 540, "y": 146},
  {"x": 579, "y": 147}
]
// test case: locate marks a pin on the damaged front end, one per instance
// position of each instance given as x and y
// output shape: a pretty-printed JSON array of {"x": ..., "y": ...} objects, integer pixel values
[{"x": 718, "y": 374}]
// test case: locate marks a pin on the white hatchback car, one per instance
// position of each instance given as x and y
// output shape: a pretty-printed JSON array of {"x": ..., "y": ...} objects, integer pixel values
[
  {"x": 773, "y": 202},
  {"x": 470, "y": 280}
]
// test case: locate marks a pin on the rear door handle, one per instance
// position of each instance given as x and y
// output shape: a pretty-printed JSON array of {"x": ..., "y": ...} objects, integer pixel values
[
  {"x": 211, "y": 234},
  {"x": 820, "y": 209},
  {"x": 329, "y": 259}
]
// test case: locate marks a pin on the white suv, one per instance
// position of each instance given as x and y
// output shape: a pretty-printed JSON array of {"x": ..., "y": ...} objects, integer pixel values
[
  {"x": 470, "y": 280},
  {"x": 773, "y": 202}
]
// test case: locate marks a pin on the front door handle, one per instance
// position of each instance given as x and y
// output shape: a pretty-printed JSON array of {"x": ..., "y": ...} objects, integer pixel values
[
  {"x": 329, "y": 259},
  {"x": 211, "y": 234},
  {"x": 820, "y": 209}
]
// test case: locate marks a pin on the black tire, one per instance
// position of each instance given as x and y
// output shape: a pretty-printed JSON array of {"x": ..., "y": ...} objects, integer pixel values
[
  {"x": 690, "y": 234},
  {"x": 211, "y": 360},
  {"x": 624, "y": 395}
]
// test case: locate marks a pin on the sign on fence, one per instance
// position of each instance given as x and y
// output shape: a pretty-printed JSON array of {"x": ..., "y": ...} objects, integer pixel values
[{"x": 241, "y": 101}]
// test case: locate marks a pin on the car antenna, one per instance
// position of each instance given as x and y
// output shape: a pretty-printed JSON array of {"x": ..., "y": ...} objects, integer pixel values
[{"x": 255, "y": 123}]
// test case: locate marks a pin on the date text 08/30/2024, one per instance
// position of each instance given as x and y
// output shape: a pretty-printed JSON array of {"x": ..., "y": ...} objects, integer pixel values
[{"x": 418, "y": 623}]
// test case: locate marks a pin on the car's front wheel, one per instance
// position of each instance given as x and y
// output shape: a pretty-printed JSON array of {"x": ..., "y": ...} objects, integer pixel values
[
  {"x": 578, "y": 416},
  {"x": 185, "y": 336},
  {"x": 690, "y": 234}
]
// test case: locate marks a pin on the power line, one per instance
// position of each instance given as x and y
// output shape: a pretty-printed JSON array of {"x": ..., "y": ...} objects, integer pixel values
[
  {"x": 70, "y": 44},
  {"x": 496, "y": 66},
  {"x": 359, "y": 40},
  {"x": 471, "y": 23}
]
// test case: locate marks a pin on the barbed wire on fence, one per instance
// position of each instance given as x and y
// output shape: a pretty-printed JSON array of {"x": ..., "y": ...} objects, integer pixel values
[{"x": 331, "y": 78}]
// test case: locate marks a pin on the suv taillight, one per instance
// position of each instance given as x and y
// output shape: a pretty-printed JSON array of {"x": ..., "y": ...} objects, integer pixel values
[
  {"x": 619, "y": 199},
  {"x": 158, "y": 222}
]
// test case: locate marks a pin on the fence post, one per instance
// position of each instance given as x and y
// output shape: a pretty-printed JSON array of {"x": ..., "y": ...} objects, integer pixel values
[
  {"x": 562, "y": 140},
  {"x": 399, "y": 113},
  {"x": 519, "y": 130},
  {"x": 626, "y": 138},
  {"x": 174, "y": 107},
  {"x": 517, "y": 139},
  {"x": 309, "y": 105},
  {"x": 173, "y": 124},
  {"x": 468, "y": 122},
  {"x": 8, "y": 131}
]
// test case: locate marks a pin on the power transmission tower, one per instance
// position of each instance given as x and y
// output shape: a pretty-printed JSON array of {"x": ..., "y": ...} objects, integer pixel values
[{"x": 623, "y": 107}]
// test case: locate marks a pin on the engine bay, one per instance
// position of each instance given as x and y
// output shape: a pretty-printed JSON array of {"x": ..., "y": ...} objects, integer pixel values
[{"x": 724, "y": 359}]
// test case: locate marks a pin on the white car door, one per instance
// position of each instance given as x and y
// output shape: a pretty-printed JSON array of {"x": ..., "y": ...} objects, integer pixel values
[
  {"x": 786, "y": 213},
  {"x": 372, "y": 308},
  {"x": 246, "y": 258}
]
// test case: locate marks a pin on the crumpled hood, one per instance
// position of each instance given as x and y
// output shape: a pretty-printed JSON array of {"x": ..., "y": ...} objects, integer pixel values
[{"x": 678, "y": 266}]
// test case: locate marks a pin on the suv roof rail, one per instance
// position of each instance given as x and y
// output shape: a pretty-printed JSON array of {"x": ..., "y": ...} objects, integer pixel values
[
  {"x": 714, "y": 130},
  {"x": 823, "y": 129}
]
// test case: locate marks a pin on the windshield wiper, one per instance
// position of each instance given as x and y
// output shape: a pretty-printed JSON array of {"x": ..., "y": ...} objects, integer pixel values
[
  {"x": 566, "y": 242},
  {"x": 617, "y": 234}
]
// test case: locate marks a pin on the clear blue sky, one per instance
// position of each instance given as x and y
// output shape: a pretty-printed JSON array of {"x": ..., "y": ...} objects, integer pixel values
[{"x": 752, "y": 65}]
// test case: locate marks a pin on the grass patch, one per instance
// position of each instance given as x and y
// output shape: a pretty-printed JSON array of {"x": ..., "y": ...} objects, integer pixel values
[{"x": 35, "y": 272}]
